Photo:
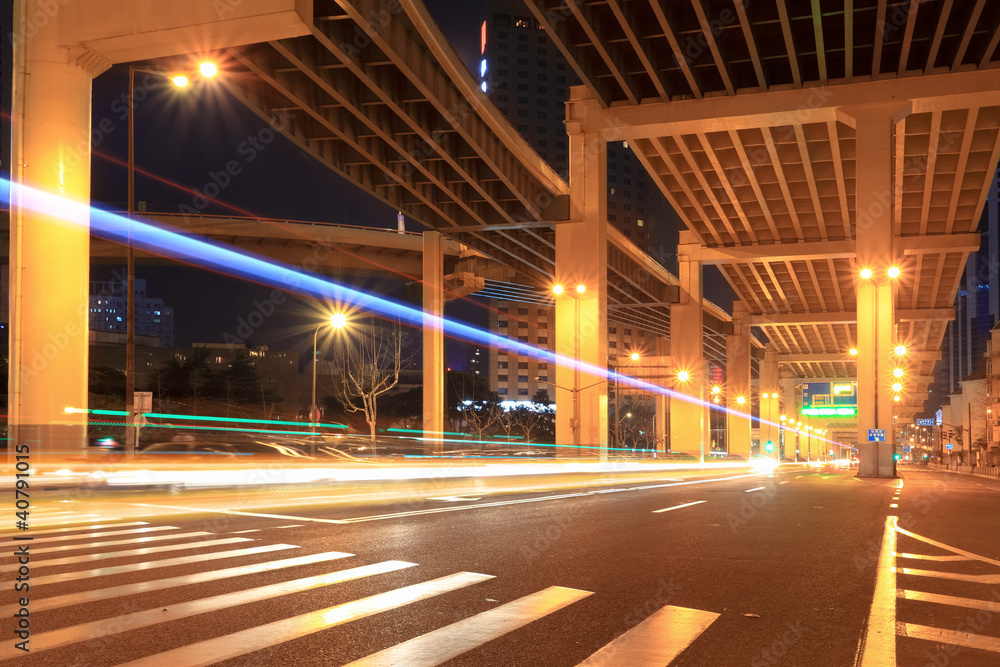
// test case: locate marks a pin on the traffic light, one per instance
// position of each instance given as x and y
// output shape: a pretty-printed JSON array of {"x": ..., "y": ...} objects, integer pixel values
[
  {"x": 897, "y": 456},
  {"x": 769, "y": 446}
]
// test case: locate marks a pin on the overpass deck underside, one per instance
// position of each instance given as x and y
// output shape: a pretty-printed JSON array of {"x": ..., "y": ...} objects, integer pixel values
[
  {"x": 376, "y": 94},
  {"x": 738, "y": 116}
]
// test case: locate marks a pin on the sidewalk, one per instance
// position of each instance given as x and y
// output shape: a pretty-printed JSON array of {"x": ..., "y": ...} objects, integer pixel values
[{"x": 992, "y": 472}]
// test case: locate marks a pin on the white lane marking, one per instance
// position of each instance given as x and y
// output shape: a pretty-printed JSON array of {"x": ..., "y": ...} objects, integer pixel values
[
  {"x": 785, "y": 482},
  {"x": 954, "y": 550},
  {"x": 107, "y": 533},
  {"x": 940, "y": 635},
  {"x": 252, "y": 530},
  {"x": 929, "y": 557},
  {"x": 954, "y": 576},
  {"x": 73, "y": 525},
  {"x": 677, "y": 507},
  {"x": 212, "y": 651},
  {"x": 455, "y": 499},
  {"x": 500, "y": 503},
  {"x": 759, "y": 488},
  {"x": 878, "y": 643},
  {"x": 453, "y": 640},
  {"x": 197, "y": 510},
  {"x": 145, "y": 551},
  {"x": 893, "y": 505},
  {"x": 87, "y": 527},
  {"x": 797, "y": 476},
  {"x": 656, "y": 641},
  {"x": 115, "y": 543},
  {"x": 141, "y": 619},
  {"x": 70, "y": 599},
  {"x": 156, "y": 564},
  {"x": 971, "y": 603},
  {"x": 291, "y": 525}
]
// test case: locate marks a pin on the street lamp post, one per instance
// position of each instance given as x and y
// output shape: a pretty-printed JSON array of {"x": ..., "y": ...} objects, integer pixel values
[
  {"x": 337, "y": 321},
  {"x": 575, "y": 391},
  {"x": 208, "y": 70}
]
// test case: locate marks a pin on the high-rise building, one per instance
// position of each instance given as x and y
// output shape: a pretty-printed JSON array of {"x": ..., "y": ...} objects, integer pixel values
[
  {"x": 977, "y": 303},
  {"x": 108, "y": 311},
  {"x": 528, "y": 79}
]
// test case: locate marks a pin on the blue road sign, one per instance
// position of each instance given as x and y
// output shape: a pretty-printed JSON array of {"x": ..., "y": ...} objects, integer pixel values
[
  {"x": 925, "y": 422},
  {"x": 906, "y": 448},
  {"x": 876, "y": 435},
  {"x": 949, "y": 446}
]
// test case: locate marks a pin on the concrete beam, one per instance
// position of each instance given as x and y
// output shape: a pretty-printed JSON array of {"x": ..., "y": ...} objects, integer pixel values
[
  {"x": 130, "y": 30},
  {"x": 786, "y": 252},
  {"x": 814, "y": 104},
  {"x": 819, "y": 358},
  {"x": 921, "y": 314},
  {"x": 846, "y": 317}
]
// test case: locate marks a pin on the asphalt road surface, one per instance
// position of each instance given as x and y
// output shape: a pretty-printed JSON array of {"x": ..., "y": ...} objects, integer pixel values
[{"x": 727, "y": 568}]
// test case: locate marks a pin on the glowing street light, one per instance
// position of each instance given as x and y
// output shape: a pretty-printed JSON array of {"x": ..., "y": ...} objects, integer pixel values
[
  {"x": 635, "y": 356},
  {"x": 557, "y": 289},
  {"x": 866, "y": 273},
  {"x": 180, "y": 81},
  {"x": 783, "y": 418},
  {"x": 683, "y": 376},
  {"x": 337, "y": 321},
  {"x": 740, "y": 400},
  {"x": 853, "y": 351},
  {"x": 716, "y": 389},
  {"x": 900, "y": 350},
  {"x": 581, "y": 289},
  {"x": 897, "y": 387},
  {"x": 896, "y": 398},
  {"x": 897, "y": 372},
  {"x": 893, "y": 272},
  {"x": 208, "y": 69}
]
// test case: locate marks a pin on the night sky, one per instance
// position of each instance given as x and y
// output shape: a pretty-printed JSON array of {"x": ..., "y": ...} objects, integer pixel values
[{"x": 185, "y": 136}]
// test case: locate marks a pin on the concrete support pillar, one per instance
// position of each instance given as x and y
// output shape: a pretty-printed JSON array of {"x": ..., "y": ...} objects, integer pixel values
[
  {"x": 689, "y": 420},
  {"x": 789, "y": 406},
  {"x": 49, "y": 258},
  {"x": 769, "y": 401},
  {"x": 433, "y": 339},
  {"x": 874, "y": 126},
  {"x": 662, "y": 400},
  {"x": 738, "y": 384},
  {"x": 582, "y": 316}
]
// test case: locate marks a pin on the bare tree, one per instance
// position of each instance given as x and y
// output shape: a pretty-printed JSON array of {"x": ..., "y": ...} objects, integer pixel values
[
  {"x": 369, "y": 360},
  {"x": 528, "y": 419},
  {"x": 480, "y": 416}
]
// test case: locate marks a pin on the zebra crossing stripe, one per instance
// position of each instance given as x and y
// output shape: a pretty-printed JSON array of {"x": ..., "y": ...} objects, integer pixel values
[
  {"x": 450, "y": 641},
  {"x": 940, "y": 635},
  {"x": 954, "y": 576},
  {"x": 107, "y": 533},
  {"x": 152, "y": 565},
  {"x": 942, "y": 559},
  {"x": 73, "y": 560},
  {"x": 656, "y": 641},
  {"x": 70, "y": 599},
  {"x": 141, "y": 619},
  {"x": 212, "y": 651},
  {"x": 115, "y": 543},
  {"x": 72, "y": 524},
  {"x": 971, "y": 603},
  {"x": 70, "y": 529}
]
